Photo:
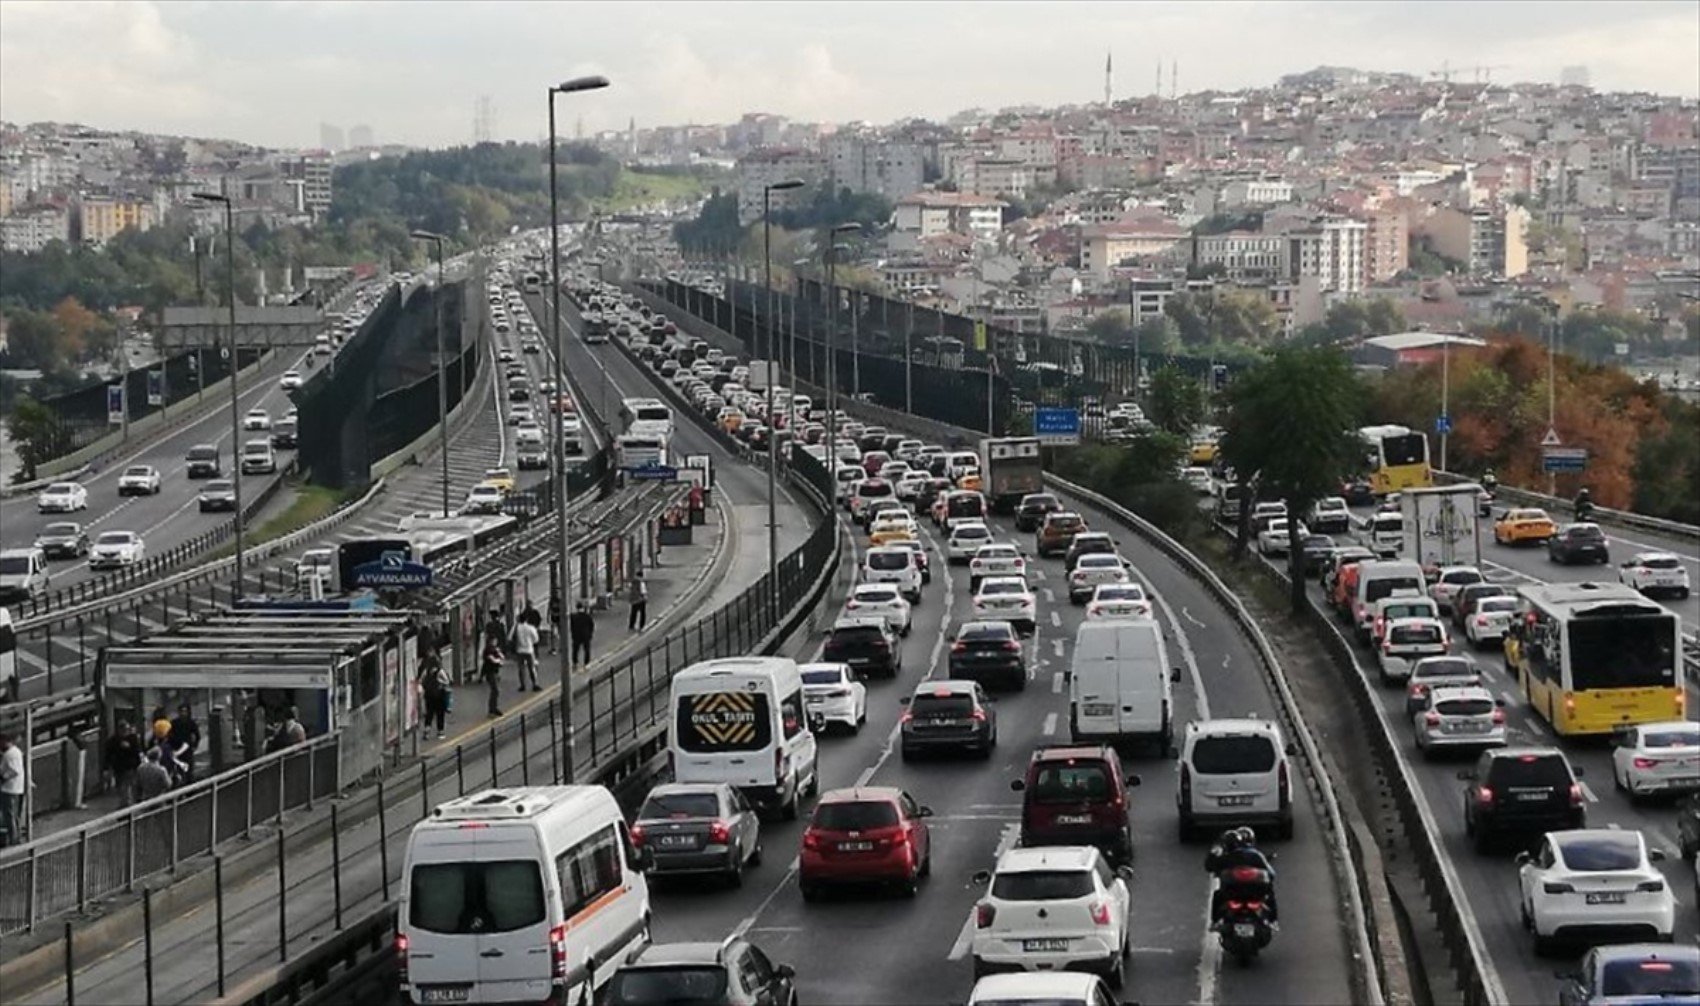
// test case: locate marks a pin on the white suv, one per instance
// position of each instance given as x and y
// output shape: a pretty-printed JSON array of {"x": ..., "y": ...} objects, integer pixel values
[
  {"x": 1053, "y": 908},
  {"x": 894, "y": 565},
  {"x": 1234, "y": 772}
]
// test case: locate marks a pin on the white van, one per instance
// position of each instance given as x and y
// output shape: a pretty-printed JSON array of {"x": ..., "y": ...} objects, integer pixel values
[
  {"x": 1234, "y": 772},
  {"x": 322, "y": 341},
  {"x": 1383, "y": 533},
  {"x": 519, "y": 895},
  {"x": 23, "y": 573},
  {"x": 1377, "y": 580},
  {"x": 740, "y": 720},
  {"x": 1121, "y": 684}
]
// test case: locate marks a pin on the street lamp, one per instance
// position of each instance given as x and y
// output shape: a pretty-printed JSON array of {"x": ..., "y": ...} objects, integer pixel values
[
  {"x": 562, "y": 558},
  {"x": 767, "y": 192},
  {"x": 832, "y": 250},
  {"x": 442, "y": 362},
  {"x": 235, "y": 419}
]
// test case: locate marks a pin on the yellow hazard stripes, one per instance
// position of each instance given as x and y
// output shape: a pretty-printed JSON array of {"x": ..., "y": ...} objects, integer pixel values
[{"x": 724, "y": 718}]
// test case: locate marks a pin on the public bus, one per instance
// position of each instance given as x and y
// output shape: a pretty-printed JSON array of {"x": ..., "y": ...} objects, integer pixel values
[
  {"x": 1396, "y": 459},
  {"x": 635, "y": 450},
  {"x": 646, "y": 410},
  {"x": 1593, "y": 657}
]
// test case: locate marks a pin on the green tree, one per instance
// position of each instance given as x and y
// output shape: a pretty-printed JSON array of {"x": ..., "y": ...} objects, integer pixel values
[
  {"x": 1186, "y": 310},
  {"x": 38, "y": 434},
  {"x": 1241, "y": 317},
  {"x": 34, "y": 341},
  {"x": 1110, "y": 327},
  {"x": 1523, "y": 319},
  {"x": 1291, "y": 426},
  {"x": 1155, "y": 337},
  {"x": 1175, "y": 402}
]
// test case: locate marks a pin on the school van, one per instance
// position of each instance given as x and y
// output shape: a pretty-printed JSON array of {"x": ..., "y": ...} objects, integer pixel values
[
  {"x": 519, "y": 895},
  {"x": 1121, "y": 684},
  {"x": 741, "y": 721},
  {"x": 1377, "y": 580}
]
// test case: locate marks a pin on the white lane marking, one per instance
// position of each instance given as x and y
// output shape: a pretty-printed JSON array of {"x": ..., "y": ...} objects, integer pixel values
[
  {"x": 1039, "y": 574},
  {"x": 1209, "y": 961},
  {"x": 1587, "y": 792},
  {"x": 1056, "y": 620},
  {"x": 750, "y": 919},
  {"x": 1189, "y": 617},
  {"x": 1050, "y": 596},
  {"x": 1505, "y": 697},
  {"x": 965, "y": 938},
  {"x": 1200, "y": 695},
  {"x": 1057, "y": 683},
  {"x": 1050, "y": 726},
  {"x": 1057, "y": 645},
  {"x": 1614, "y": 826}
]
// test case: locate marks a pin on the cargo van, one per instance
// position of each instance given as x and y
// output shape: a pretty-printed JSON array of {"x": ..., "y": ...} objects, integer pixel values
[
  {"x": 740, "y": 720},
  {"x": 1383, "y": 533},
  {"x": 1121, "y": 684},
  {"x": 23, "y": 573},
  {"x": 1377, "y": 580},
  {"x": 519, "y": 895}
]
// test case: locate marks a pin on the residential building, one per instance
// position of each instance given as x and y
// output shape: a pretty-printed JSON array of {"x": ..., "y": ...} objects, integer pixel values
[
  {"x": 1136, "y": 237},
  {"x": 769, "y": 165},
  {"x": 30, "y": 230},
  {"x": 100, "y": 219},
  {"x": 930, "y": 214},
  {"x": 1244, "y": 255},
  {"x": 1250, "y": 192},
  {"x": 866, "y": 164},
  {"x": 312, "y": 173},
  {"x": 1490, "y": 241},
  {"x": 987, "y": 176},
  {"x": 1330, "y": 250}
]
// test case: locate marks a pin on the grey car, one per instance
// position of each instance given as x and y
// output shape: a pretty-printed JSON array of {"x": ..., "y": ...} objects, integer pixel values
[
  {"x": 63, "y": 540},
  {"x": 219, "y": 494},
  {"x": 704, "y": 828},
  {"x": 1633, "y": 974}
]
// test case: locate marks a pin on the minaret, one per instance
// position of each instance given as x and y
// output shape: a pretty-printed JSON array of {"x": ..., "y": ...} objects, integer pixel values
[
  {"x": 1157, "y": 91},
  {"x": 1174, "y": 76},
  {"x": 1106, "y": 77}
]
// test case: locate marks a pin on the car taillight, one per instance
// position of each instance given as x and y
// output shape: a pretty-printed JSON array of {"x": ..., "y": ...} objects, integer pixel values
[
  {"x": 978, "y": 716},
  {"x": 1481, "y": 621},
  {"x": 1557, "y": 887},
  {"x": 1432, "y": 719},
  {"x": 558, "y": 951},
  {"x": 812, "y": 840},
  {"x": 1093, "y": 609},
  {"x": 1484, "y": 795},
  {"x": 401, "y": 957},
  {"x": 906, "y": 717},
  {"x": 1418, "y": 691},
  {"x": 1644, "y": 763},
  {"x": 1386, "y": 645},
  {"x": 1499, "y": 717},
  {"x": 984, "y": 915},
  {"x": 1575, "y": 794},
  {"x": 719, "y": 833},
  {"x": 1380, "y": 623},
  {"x": 1650, "y": 886},
  {"x": 1012, "y": 646},
  {"x": 1235, "y": 905},
  {"x": 1100, "y": 913},
  {"x": 637, "y": 833},
  {"x": 959, "y": 647},
  {"x": 1254, "y": 906}
]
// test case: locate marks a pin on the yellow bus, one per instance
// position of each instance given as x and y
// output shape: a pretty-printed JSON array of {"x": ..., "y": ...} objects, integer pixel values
[
  {"x": 1593, "y": 657},
  {"x": 1396, "y": 459}
]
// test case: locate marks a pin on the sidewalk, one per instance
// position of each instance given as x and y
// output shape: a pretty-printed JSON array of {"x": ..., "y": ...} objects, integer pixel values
[{"x": 184, "y": 940}]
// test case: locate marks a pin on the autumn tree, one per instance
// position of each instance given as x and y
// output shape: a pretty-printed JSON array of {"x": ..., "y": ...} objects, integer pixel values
[
  {"x": 1175, "y": 402},
  {"x": 39, "y": 435}
]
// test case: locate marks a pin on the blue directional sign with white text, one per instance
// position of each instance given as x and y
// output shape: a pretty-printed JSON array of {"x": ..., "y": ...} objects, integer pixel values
[
  {"x": 1564, "y": 459},
  {"x": 1054, "y": 426},
  {"x": 654, "y": 471},
  {"x": 1443, "y": 424},
  {"x": 393, "y": 569}
]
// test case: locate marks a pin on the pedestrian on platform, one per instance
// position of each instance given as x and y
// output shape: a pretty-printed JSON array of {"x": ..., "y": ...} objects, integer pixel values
[
  {"x": 153, "y": 778},
  {"x": 582, "y": 628},
  {"x": 12, "y": 784},
  {"x": 185, "y": 740},
  {"x": 123, "y": 757},
  {"x": 554, "y": 618},
  {"x": 490, "y": 669},
  {"x": 434, "y": 679},
  {"x": 525, "y": 648},
  {"x": 638, "y": 594},
  {"x": 288, "y": 733}
]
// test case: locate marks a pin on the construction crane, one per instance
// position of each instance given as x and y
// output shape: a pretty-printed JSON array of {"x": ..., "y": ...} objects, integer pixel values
[{"x": 1484, "y": 74}]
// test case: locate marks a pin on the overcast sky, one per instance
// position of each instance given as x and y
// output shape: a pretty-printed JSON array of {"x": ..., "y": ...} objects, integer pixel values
[{"x": 270, "y": 73}]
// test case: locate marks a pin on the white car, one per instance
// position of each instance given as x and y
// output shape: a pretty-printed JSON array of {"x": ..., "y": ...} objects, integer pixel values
[
  {"x": 1007, "y": 598},
  {"x": 116, "y": 549},
  {"x": 1118, "y": 600},
  {"x": 257, "y": 419},
  {"x": 881, "y": 600},
  {"x": 1053, "y": 908},
  {"x": 520, "y": 412},
  {"x": 894, "y": 565},
  {"x": 138, "y": 480},
  {"x": 1041, "y": 988},
  {"x": 1406, "y": 641},
  {"x": 290, "y": 380},
  {"x": 1454, "y": 716},
  {"x": 62, "y": 497},
  {"x": 1657, "y": 758},
  {"x": 911, "y": 484},
  {"x": 1588, "y": 882},
  {"x": 1449, "y": 580},
  {"x": 315, "y": 564},
  {"x": 832, "y": 692},
  {"x": 1094, "y": 570},
  {"x": 965, "y": 540},
  {"x": 1330, "y": 514},
  {"x": 1198, "y": 478},
  {"x": 485, "y": 497},
  {"x": 996, "y": 559},
  {"x": 1272, "y": 540},
  {"x": 1654, "y": 573},
  {"x": 1490, "y": 621}
]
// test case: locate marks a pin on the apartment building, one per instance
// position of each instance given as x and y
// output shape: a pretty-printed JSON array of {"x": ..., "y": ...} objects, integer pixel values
[
  {"x": 1250, "y": 192},
  {"x": 868, "y": 164},
  {"x": 930, "y": 214},
  {"x": 1245, "y": 255},
  {"x": 761, "y": 168},
  {"x": 990, "y": 176},
  {"x": 99, "y": 219},
  {"x": 1387, "y": 249},
  {"x": 30, "y": 230},
  {"x": 1490, "y": 241},
  {"x": 310, "y": 174},
  {"x": 1103, "y": 247},
  {"x": 1330, "y": 250}
]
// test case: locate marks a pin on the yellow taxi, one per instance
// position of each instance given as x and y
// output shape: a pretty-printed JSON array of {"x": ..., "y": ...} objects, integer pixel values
[
  {"x": 1523, "y": 524},
  {"x": 731, "y": 419},
  {"x": 888, "y": 530},
  {"x": 1202, "y": 451},
  {"x": 501, "y": 478},
  {"x": 970, "y": 481}
]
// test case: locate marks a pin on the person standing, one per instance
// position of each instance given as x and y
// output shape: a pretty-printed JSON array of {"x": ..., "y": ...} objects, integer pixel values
[
  {"x": 582, "y": 627},
  {"x": 554, "y": 617},
  {"x": 185, "y": 740},
  {"x": 434, "y": 679},
  {"x": 638, "y": 594},
  {"x": 490, "y": 669},
  {"x": 153, "y": 778},
  {"x": 123, "y": 757},
  {"x": 534, "y": 618},
  {"x": 288, "y": 733},
  {"x": 12, "y": 783},
  {"x": 525, "y": 648}
]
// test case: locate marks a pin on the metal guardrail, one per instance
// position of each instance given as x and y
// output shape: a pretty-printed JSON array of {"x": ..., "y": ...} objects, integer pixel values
[{"x": 1602, "y": 515}]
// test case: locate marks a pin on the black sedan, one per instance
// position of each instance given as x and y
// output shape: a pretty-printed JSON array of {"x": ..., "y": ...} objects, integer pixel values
[
  {"x": 1578, "y": 543},
  {"x": 989, "y": 653},
  {"x": 1358, "y": 492},
  {"x": 63, "y": 540},
  {"x": 1032, "y": 510},
  {"x": 948, "y": 716},
  {"x": 1316, "y": 548},
  {"x": 868, "y": 645}
]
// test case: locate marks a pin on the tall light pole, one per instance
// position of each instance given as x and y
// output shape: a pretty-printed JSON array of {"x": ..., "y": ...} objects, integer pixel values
[
  {"x": 832, "y": 249},
  {"x": 235, "y": 418},
  {"x": 442, "y": 362},
  {"x": 562, "y": 558},
  {"x": 772, "y": 347}
]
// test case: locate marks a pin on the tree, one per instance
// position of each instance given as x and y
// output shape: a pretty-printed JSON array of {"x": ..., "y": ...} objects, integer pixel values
[
  {"x": 34, "y": 341},
  {"x": 38, "y": 434},
  {"x": 1291, "y": 426},
  {"x": 1175, "y": 402},
  {"x": 1242, "y": 318},
  {"x": 1109, "y": 327},
  {"x": 1186, "y": 311}
]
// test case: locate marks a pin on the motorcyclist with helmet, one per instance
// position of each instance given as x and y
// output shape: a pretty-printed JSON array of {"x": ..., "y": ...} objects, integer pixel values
[
  {"x": 1584, "y": 504},
  {"x": 1238, "y": 848},
  {"x": 1490, "y": 482}
]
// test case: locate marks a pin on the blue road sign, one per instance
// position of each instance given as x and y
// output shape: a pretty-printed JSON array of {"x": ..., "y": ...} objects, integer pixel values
[
  {"x": 392, "y": 569},
  {"x": 1564, "y": 459},
  {"x": 1057, "y": 426},
  {"x": 1443, "y": 424},
  {"x": 654, "y": 471}
]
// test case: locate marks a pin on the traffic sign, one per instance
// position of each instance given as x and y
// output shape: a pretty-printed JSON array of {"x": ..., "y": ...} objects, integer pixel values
[
  {"x": 1551, "y": 439},
  {"x": 654, "y": 471},
  {"x": 1057, "y": 427},
  {"x": 1564, "y": 459},
  {"x": 115, "y": 403},
  {"x": 1443, "y": 424},
  {"x": 392, "y": 569}
]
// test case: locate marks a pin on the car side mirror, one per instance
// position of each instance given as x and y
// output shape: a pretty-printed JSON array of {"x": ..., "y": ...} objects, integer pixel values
[
  {"x": 981, "y": 877},
  {"x": 1125, "y": 872},
  {"x": 1174, "y": 674},
  {"x": 1567, "y": 976},
  {"x": 1018, "y": 785},
  {"x": 1466, "y": 775},
  {"x": 1656, "y": 855},
  {"x": 1523, "y": 859},
  {"x": 817, "y": 723},
  {"x": 645, "y": 859},
  {"x": 924, "y": 812},
  {"x": 1292, "y": 750},
  {"x": 1578, "y": 771},
  {"x": 1132, "y": 781},
  {"x": 903, "y": 701},
  {"x": 1499, "y": 702}
]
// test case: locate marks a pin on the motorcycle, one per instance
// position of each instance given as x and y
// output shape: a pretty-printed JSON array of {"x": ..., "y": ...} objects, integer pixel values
[
  {"x": 1244, "y": 927},
  {"x": 1484, "y": 503},
  {"x": 1584, "y": 510}
]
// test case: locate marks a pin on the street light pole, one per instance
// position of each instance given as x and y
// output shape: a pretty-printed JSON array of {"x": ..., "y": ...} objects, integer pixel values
[
  {"x": 832, "y": 248},
  {"x": 562, "y": 557},
  {"x": 1445, "y": 396},
  {"x": 442, "y": 362},
  {"x": 772, "y": 346},
  {"x": 235, "y": 419}
]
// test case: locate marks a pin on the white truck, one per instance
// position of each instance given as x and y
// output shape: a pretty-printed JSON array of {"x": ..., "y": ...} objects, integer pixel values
[
  {"x": 1440, "y": 526},
  {"x": 1010, "y": 468},
  {"x": 762, "y": 373}
]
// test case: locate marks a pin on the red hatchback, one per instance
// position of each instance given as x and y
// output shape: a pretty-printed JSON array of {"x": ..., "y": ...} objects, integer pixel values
[
  {"x": 867, "y": 835},
  {"x": 873, "y": 461}
]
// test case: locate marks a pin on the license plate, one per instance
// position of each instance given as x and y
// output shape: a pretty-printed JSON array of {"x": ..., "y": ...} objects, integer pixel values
[
  {"x": 1233, "y": 801},
  {"x": 1531, "y": 797},
  {"x": 1043, "y": 946},
  {"x": 1097, "y": 709},
  {"x": 445, "y": 993},
  {"x": 675, "y": 841},
  {"x": 1074, "y": 818},
  {"x": 814, "y": 700},
  {"x": 855, "y": 846},
  {"x": 1245, "y": 930},
  {"x": 1605, "y": 898},
  {"x": 942, "y": 723}
]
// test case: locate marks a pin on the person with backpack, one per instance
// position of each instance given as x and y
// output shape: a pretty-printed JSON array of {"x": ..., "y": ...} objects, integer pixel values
[
  {"x": 434, "y": 679},
  {"x": 490, "y": 669},
  {"x": 638, "y": 594}
]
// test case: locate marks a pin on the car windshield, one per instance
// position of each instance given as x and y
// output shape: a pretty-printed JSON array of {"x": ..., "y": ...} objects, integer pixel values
[
  {"x": 1043, "y": 885},
  {"x": 1384, "y": 586},
  {"x": 114, "y": 538},
  {"x": 59, "y": 529},
  {"x": 684, "y": 985},
  {"x": 1071, "y": 782},
  {"x": 1464, "y": 707},
  {"x": 1444, "y": 667},
  {"x": 1100, "y": 562},
  {"x": 1038, "y": 502},
  {"x": 971, "y": 531},
  {"x": 1233, "y": 755},
  {"x": 1121, "y": 592},
  {"x": 1657, "y": 978},
  {"x": 1490, "y": 604},
  {"x": 1623, "y": 651},
  {"x": 1461, "y": 577},
  {"x": 480, "y": 898},
  {"x": 991, "y": 587},
  {"x": 1417, "y": 635},
  {"x": 871, "y": 489},
  {"x": 220, "y": 486},
  {"x": 1585, "y": 532},
  {"x": 138, "y": 470},
  {"x": 876, "y": 595},
  {"x": 1597, "y": 853},
  {"x": 1063, "y": 523},
  {"x": 1675, "y": 737},
  {"x": 1532, "y": 770},
  {"x": 929, "y": 705},
  {"x": 855, "y": 816},
  {"x": 14, "y": 564},
  {"x": 996, "y": 552},
  {"x": 1659, "y": 562},
  {"x": 888, "y": 560},
  {"x": 855, "y": 635},
  {"x": 680, "y": 805},
  {"x": 61, "y": 489},
  {"x": 832, "y": 677},
  {"x": 986, "y": 631}
]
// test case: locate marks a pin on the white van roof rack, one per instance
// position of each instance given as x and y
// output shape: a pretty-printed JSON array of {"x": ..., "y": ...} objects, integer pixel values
[{"x": 510, "y": 803}]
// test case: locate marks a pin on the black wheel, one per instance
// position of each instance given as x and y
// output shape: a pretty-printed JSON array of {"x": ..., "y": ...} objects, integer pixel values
[
  {"x": 1117, "y": 973},
  {"x": 735, "y": 874},
  {"x": 905, "y": 754},
  {"x": 755, "y": 856},
  {"x": 927, "y": 864},
  {"x": 811, "y": 892},
  {"x": 1285, "y": 829}
]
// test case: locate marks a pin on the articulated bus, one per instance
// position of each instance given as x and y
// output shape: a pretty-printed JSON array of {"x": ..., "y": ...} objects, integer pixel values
[
  {"x": 1397, "y": 459},
  {"x": 1593, "y": 657},
  {"x": 635, "y": 450}
]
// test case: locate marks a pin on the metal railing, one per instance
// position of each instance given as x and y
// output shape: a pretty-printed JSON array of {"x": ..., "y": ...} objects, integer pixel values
[{"x": 1604, "y": 515}]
